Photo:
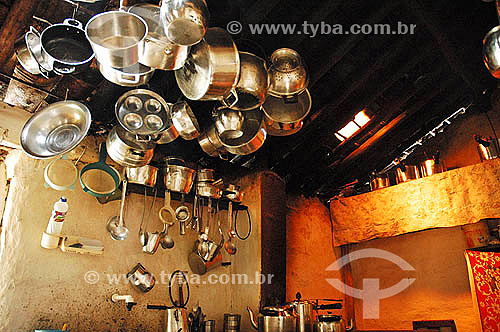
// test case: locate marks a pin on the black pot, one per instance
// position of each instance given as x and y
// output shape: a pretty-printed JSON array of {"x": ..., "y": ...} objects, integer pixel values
[{"x": 65, "y": 47}]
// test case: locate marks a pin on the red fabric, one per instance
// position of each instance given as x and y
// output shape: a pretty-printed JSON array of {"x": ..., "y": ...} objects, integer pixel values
[{"x": 485, "y": 269}]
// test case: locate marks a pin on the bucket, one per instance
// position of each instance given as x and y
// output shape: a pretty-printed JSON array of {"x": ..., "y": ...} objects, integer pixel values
[{"x": 476, "y": 234}]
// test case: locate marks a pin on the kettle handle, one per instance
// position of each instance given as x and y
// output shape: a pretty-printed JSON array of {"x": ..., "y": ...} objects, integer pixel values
[{"x": 252, "y": 318}]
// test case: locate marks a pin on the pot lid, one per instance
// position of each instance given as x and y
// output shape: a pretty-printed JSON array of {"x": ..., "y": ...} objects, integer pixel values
[
  {"x": 133, "y": 141},
  {"x": 195, "y": 77}
]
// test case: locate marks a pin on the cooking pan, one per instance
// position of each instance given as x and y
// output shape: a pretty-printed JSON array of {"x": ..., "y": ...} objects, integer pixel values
[
  {"x": 282, "y": 115},
  {"x": 253, "y": 136},
  {"x": 126, "y": 150},
  {"x": 99, "y": 179},
  {"x": 159, "y": 51},
  {"x": 117, "y": 37},
  {"x": 185, "y": 21},
  {"x": 211, "y": 144},
  {"x": 250, "y": 91},
  {"x": 212, "y": 68},
  {"x": 184, "y": 121},
  {"x": 65, "y": 49},
  {"x": 131, "y": 76}
]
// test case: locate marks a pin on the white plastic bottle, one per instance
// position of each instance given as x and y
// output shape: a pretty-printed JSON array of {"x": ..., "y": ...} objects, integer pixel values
[{"x": 57, "y": 217}]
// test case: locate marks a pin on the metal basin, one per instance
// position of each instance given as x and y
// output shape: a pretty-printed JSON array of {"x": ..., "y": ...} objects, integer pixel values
[{"x": 56, "y": 129}]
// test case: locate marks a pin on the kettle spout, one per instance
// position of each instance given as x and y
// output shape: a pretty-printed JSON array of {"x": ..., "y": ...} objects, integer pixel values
[{"x": 253, "y": 321}]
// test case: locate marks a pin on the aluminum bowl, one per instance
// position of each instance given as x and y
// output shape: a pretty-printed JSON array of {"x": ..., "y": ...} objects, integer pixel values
[{"x": 56, "y": 129}]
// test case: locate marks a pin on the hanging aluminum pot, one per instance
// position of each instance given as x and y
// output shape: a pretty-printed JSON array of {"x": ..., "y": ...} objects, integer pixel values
[
  {"x": 253, "y": 136},
  {"x": 212, "y": 68},
  {"x": 185, "y": 21},
  {"x": 131, "y": 76},
  {"x": 126, "y": 150},
  {"x": 282, "y": 116},
  {"x": 406, "y": 173},
  {"x": 159, "y": 51},
  {"x": 65, "y": 49},
  {"x": 491, "y": 51},
  {"x": 288, "y": 75},
  {"x": 117, "y": 38},
  {"x": 251, "y": 89}
]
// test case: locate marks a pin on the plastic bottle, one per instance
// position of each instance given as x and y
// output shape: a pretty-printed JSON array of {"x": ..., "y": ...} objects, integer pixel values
[{"x": 57, "y": 217}]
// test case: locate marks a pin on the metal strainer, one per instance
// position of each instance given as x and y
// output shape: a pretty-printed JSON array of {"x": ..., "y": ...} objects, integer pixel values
[{"x": 288, "y": 75}]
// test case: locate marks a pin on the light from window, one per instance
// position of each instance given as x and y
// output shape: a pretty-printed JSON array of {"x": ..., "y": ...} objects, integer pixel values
[{"x": 353, "y": 127}]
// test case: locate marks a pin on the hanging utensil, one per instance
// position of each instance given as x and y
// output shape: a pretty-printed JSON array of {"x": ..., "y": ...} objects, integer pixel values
[
  {"x": 253, "y": 136},
  {"x": 99, "y": 179},
  {"x": 212, "y": 67},
  {"x": 182, "y": 215},
  {"x": 65, "y": 49},
  {"x": 166, "y": 240},
  {"x": 229, "y": 246},
  {"x": 184, "y": 21},
  {"x": 116, "y": 225},
  {"x": 167, "y": 213},
  {"x": 288, "y": 75},
  {"x": 123, "y": 147},
  {"x": 184, "y": 121},
  {"x": 117, "y": 38},
  {"x": 145, "y": 235},
  {"x": 251, "y": 89}
]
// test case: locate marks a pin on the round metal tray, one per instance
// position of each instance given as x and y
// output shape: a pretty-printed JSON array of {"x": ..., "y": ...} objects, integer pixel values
[{"x": 142, "y": 112}]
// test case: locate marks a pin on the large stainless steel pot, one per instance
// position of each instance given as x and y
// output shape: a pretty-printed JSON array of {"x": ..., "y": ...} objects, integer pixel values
[
  {"x": 117, "y": 38},
  {"x": 253, "y": 136},
  {"x": 271, "y": 321},
  {"x": 131, "y": 76},
  {"x": 185, "y": 21},
  {"x": 251, "y": 89},
  {"x": 123, "y": 147},
  {"x": 329, "y": 323},
  {"x": 159, "y": 51},
  {"x": 178, "y": 178},
  {"x": 65, "y": 49},
  {"x": 212, "y": 67}
]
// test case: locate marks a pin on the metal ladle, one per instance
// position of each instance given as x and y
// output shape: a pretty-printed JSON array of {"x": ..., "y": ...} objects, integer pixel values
[
  {"x": 116, "y": 225},
  {"x": 166, "y": 240},
  {"x": 228, "y": 245}
]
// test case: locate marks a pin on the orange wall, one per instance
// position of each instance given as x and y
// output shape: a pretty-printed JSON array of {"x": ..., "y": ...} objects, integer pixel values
[{"x": 309, "y": 251}]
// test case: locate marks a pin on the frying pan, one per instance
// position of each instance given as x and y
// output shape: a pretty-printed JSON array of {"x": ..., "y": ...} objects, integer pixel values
[{"x": 99, "y": 179}]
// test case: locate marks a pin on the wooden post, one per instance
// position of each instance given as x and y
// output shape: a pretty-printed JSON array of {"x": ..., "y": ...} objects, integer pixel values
[{"x": 20, "y": 15}]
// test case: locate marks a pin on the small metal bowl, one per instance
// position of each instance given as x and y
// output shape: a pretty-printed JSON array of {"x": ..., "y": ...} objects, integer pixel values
[{"x": 56, "y": 129}]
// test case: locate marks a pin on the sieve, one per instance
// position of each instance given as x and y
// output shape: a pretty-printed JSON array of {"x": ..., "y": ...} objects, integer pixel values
[{"x": 99, "y": 179}]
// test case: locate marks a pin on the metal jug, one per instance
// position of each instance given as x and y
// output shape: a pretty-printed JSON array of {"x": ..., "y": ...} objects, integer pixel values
[{"x": 176, "y": 320}]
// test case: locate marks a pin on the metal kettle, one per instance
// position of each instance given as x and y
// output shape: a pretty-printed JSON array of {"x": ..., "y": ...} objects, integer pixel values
[
  {"x": 273, "y": 319},
  {"x": 329, "y": 323}
]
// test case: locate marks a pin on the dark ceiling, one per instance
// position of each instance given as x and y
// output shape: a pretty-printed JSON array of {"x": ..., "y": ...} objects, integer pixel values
[{"x": 407, "y": 83}]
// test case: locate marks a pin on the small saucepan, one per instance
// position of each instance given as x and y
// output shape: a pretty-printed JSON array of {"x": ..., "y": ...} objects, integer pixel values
[
  {"x": 184, "y": 121},
  {"x": 99, "y": 179},
  {"x": 145, "y": 175},
  {"x": 253, "y": 136},
  {"x": 65, "y": 48},
  {"x": 124, "y": 148}
]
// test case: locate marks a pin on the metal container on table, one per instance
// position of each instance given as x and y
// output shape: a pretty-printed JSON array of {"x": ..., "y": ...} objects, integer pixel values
[{"x": 329, "y": 323}]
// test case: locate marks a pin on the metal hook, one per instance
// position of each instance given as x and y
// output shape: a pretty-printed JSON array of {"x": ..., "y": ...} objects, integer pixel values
[
  {"x": 66, "y": 95},
  {"x": 75, "y": 9}
]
